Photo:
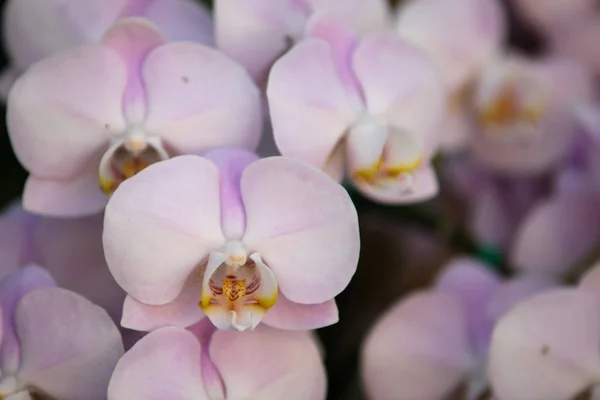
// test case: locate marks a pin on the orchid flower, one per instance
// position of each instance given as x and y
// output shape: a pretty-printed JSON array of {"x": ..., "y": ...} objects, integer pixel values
[
  {"x": 257, "y": 32},
  {"x": 54, "y": 343},
  {"x": 35, "y": 29},
  {"x": 524, "y": 112},
  {"x": 88, "y": 118},
  {"x": 495, "y": 204},
  {"x": 433, "y": 341},
  {"x": 70, "y": 249},
  {"x": 373, "y": 107},
  {"x": 561, "y": 230},
  {"x": 231, "y": 236},
  {"x": 547, "y": 347},
  {"x": 201, "y": 364},
  {"x": 460, "y": 36},
  {"x": 550, "y": 14}
]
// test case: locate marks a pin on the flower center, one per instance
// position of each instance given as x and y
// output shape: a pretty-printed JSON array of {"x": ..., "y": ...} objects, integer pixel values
[
  {"x": 127, "y": 157},
  {"x": 237, "y": 290},
  {"x": 383, "y": 156}
]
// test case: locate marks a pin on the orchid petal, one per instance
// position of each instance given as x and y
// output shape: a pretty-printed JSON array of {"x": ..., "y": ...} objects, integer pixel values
[
  {"x": 53, "y": 90},
  {"x": 402, "y": 85},
  {"x": 71, "y": 249},
  {"x": 474, "y": 284},
  {"x": 86, "y": 344},
  {"x": 310, "y": 110},
  {"x": 296, "y": 218},
  {"x": 424, "y": 187},
  {"x": 166, "y": 219},
  {"x": 362, "y": 16},
  {"x": 558, "y": 233},
  {"x": 288, "y": 315},
  {"x": 201, "y": 102},
  {"x": 13, "y": 234},
  {"x": 460, "y": 36},
  {"x": 547, "y": 347},
  {"x": 269, "y": 364},
  {"x": 163, "y": 365},
  {"x": 419, "y": 349},
  {"x": 79, "y": 196},
  {"x": 182, "y": 20},
  {"x": 12, "y": 290}
]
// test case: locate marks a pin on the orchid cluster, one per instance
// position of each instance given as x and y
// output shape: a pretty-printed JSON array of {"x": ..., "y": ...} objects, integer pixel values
[{"x": 190, "y": 214}]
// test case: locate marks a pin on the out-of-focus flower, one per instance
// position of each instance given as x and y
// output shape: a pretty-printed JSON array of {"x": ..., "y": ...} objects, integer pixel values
[
  {"x": 460, "y": 36},
  {"x": 524, "y": 112},
  {"x": 237, "y": 234},
  {"x": 495, "y": 204},
  {"x": 563, "y": 229},
  {"x": 547, "y": 347},
  {"x": 55, "y": 343},
  {"x": 372, "y": 107},
  {"x": 431, "y": 342},
  {"x": 257, "y": 32},
  {"x": 199, "y": 363},
  {"x": 108, "y": 110},
  {"x": 34, "y": 29},
  {"x": 71, "y": 249}
]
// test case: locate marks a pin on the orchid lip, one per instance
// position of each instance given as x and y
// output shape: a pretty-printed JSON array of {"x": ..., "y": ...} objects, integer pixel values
[
  {"x": 127, "y": 156},
  {"x": 237, "y": 289},
  {"x": 8, "y": 386}
]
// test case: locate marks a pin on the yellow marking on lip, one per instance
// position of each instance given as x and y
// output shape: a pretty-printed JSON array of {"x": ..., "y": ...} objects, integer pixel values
[{"x": 381, "y": 171}]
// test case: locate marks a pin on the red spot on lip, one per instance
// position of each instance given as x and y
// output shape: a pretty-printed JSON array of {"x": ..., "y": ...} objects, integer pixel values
[{"x": 230, "y": 277}]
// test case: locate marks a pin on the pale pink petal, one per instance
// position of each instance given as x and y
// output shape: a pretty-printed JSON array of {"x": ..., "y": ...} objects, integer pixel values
[
  {"x": 547, "y": 347},
  {"x": 490, "y": 219},
  {"x": 133, "y": 39},
  {"x": 35, "y": 30},
  {"x": 182, "y": 20},
  {"x": 296, "y": 219},
  {"x": 231, "y": 163},
  {"x": 160, "y": 225},
  {"x": 286, "y": 314},
  {"x": 71, "y": 249},
  {"x": 183, "y": 311},
  {"x": 12, "y": 290},
  {"x": 558, "y": 233},
  {"x": 269, "y": 364},
  {"x": 591, "y": 279},
  {"x": 14, "y": 224},
  {"x": 425, "y": 187},
  {"x": 75, "y": 97},
  {"x": 256, "y": 32},
  {"x": 310, "y": 110},
  {"x": 418, "y": 350},
  {"x": 202, "y": 101},
  {"x": 342, "y": 41},
  {"x": 460, "y": 36},
  {"x": 474, "y": 284},
  {"x": 74, "y": 197},
  {"x": 400, "y": 83},
  {"x": 515, "y": 291},
  {"x": 85, "y": 345},
  {"x": 577, "y": 38},
  {"x": 163, "y": 365},
  {"x": 362, "y": 16}
]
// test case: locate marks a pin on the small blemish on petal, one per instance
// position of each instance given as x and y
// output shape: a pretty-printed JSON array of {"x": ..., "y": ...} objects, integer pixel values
[
  {"x": 107, "y": 126},
  {"x": 185, "y": 79},
  {"x": 545, "y": 350}
]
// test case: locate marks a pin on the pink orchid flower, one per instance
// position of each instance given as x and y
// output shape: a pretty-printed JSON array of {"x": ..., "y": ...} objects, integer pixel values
[
  {"x": 564, "y": 228},
  {"x": 203, "y": 364},
  {"x": 373, "y": 107},
  {"x": 54, "y": 343},
  {"x": 548, "y": 346},
  {"x": 257, "y": 32},
  {"x": 34, "y": 29},
  {"x": 233, "y": 237},
  {"x": 524, "y": 112},
  {"x": 115, "y": 107},
  {"x": 550, "y": 14},
  {"x": 430, "y": 343},
  {"x": 460, "y": 36},
  {"x": 70, "y": 249}
]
